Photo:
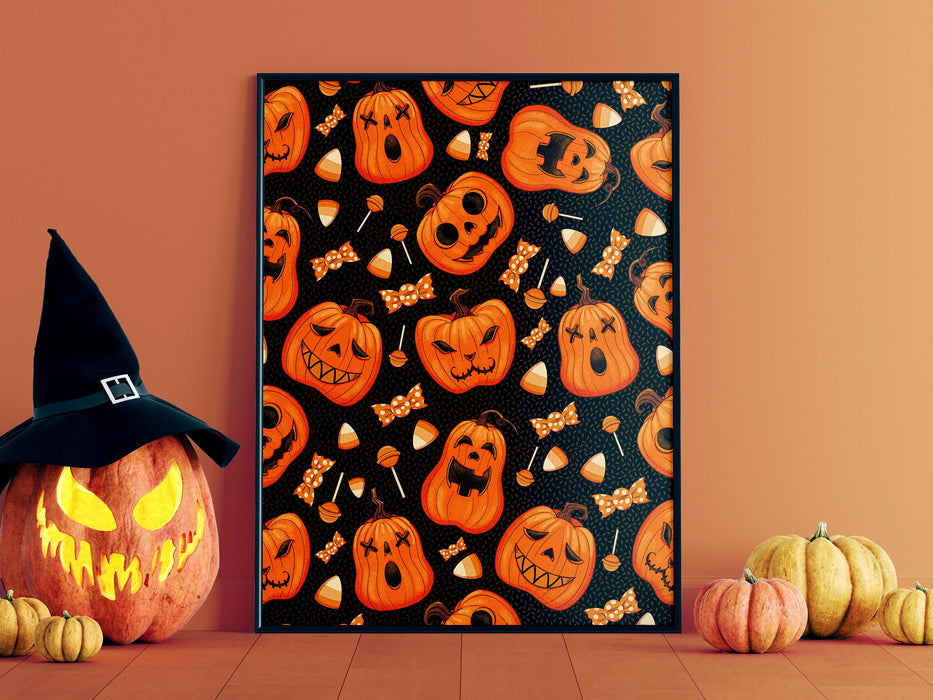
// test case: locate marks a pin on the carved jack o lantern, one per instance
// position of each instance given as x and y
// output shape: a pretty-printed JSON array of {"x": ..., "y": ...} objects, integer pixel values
[
  {"x": 334, "y": 349},
  {"x": 654, "y": 292},
  {"x": 286, "y": 127},
  {"x": 281, "y": 239},
  {"x": 391, "y": 143},
  {"x": 132, "y": 544},
  {"x": 472, "y": 102},
  {"x": 465, "y": 224},
  {"x": 549, "y": 554},
  {"x": 465, "y": 488},
  {"x": 652, "y": 158},
  {"x": 656, "y": 437},
  {"x": 479, "y": 609},
  {"x": 653, "y": 555},
  {"x": 284, "y": 432},
  {"x": 391, "y": 569},
  {"x": 286, "y": 553}
]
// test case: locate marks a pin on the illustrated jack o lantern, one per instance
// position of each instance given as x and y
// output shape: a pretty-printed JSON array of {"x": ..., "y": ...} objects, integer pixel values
[
  {"x": 656, "y": 437},
  {"x": 132, "y": 544},
  {"x": 281, "y": 239},
  {"x": 653, "y": 552},
  {"x": 284, "y": 432},
  {"x": 286, "y": 553},
  {"x": 391, "y": 143},
  {"x": 654, "y": 292},
  {"x": 465, "y": 224},
  {"x": 549, "y": 554},
  {"x": 545, "y": 152},
  {"x": 465, "y": 488},
  {"x": 596, "y": 355},
  {"x": 652, "y": 158},
  {"x": 391, "y": 569},
  {"x": 286, "y": 128},
  {"x": 471, "y": 102},
  {"x": 469, "y": 348},
  {"x": 334, "y": 349},
  {"x": 479, "y": 609}
]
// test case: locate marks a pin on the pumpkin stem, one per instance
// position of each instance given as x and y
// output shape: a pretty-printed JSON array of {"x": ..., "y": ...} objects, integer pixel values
[
  {"x": 585, "y": 297},
  {"x": 648, "y": 397},
  {"x": 572, "y": 510},
  {"x": 354, "y": 308},
  {"x": 820, "y": 532},
  {"x": 642, "y": 263},
  {"x": 461, "y": 308},
  {"x": 66, "y": 615},
  {"x": 610, "y": 187},
  {"x": 380, "y": 508},
  {"x": 749, "y": 576},
  {"x": 380, "y": 86},
  {"x": 920, "y": 588},
  {"x": 430, "y": 193},
  {"x": 663, "y": 121},
  {"x": 486, "y": 418},
  {"x": 436, "y": 611},
  {"x": 288, "y": 205},
  {"x": 9, "y": 595}
]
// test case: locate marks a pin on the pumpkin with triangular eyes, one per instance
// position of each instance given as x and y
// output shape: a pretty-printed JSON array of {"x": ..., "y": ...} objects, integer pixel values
[
  {"x": 284, "y": 432},
  {"x": 286, "y": 128}
]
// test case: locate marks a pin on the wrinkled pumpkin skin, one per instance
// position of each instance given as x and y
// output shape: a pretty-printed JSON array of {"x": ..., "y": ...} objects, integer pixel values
[
  {"x": 18, "y": 620},
  {"x": 68, "y": 639},
  {"x": 906, "y": 615},
  {"x": 843, "y": 579}
]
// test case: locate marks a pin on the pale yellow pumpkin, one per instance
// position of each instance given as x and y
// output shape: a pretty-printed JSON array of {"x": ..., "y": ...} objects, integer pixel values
[
  {"x": 843, "y": 579},
  {"x": 67, "y": 638},
  {"x": 18, "y": 620},
  {"x": 907, "y": 615}
]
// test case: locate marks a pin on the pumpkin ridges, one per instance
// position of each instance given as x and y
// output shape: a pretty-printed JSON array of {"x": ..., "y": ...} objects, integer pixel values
[
  {"x": 828, "y": 596},
  {"x": 888, "y": 573},
  {"x": 867, "y": 589},
  {"x": 704, "y": 613},
  {"x": 764, "y": 608},
  {"x": 732, "y": 616}
]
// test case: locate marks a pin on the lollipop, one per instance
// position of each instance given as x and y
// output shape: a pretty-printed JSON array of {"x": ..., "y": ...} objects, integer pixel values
[
  {"x": 398, "y": 233},
  {"x": 611, "y": 561},
  {"x": 611, "y": 425},
  {"x": 397, "y": 358},
  {"x": 524, "y": 477},
  {"x": 329, "y": 511},
  {"x": 374, "y": 203},
  {"x": 551, "y": 212},
  {"x": 328, "y": 87},
  {"x": 534, "y": 298},
  {"x": 571, "y": 87},
  {"x": 388, "y": 457}
]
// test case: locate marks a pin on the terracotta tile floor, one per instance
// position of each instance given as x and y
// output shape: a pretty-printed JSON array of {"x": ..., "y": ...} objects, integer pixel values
[{"x": 439, "y": 666}]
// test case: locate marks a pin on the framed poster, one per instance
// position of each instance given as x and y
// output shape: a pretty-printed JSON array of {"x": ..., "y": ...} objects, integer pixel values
[{"x": 468, "y": 352}]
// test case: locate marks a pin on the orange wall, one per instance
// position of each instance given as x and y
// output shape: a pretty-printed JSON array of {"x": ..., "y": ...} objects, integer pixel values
[{"x": 805, "y": 178}]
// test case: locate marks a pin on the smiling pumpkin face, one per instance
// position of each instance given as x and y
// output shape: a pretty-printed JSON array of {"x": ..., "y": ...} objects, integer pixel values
[{"x": 472, "y": 102}]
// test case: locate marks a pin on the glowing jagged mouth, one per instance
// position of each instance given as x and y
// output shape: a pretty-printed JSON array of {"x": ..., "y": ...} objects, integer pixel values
[
  {"x": 322, "y": 371},
  {"x": 112, "y": 571},
  {"x": 537, "y": 576}
]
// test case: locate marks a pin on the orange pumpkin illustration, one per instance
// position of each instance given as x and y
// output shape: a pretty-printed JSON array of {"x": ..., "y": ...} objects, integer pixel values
[
  {"x": 284, "y": 432},
  {"x": 479, "y": 609},
  {"x": 334, "y": 349},
  {"x": 281, "y": 239},
  {"x": 471, "y": 102},
  {"x": 656, "y": 437},
  {"x": 465, "y": 488},
  {"x": 549, "y": 554},
  {"x": 545, "y": 152},
  {"x": 391, "y": 569},
  {"x": 654, "y": 292},
  {"x": 469, "y": 348},
  {"x": 465, "y": 224},
  {"x": 653, "y": 553},
  {"x": 596, "y": 355},
  {"x": 391, "y": 143},
  {"x": 653, "y": 158},
  {"x": 286, "y": 553},
  {"x": 286, "y": 127}
]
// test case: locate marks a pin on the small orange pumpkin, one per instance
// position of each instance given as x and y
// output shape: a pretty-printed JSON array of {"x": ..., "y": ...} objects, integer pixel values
[
  {"x": 471, "y": 102},
  {"x": 549, "y": 554},
  {"x": 284, "y": 432},
  {"x": 479, "y": 609},
  {"x": 653, "y": 552},
  {"x": 654, "y": 291},
  {"x": 652, "y": 158},
  {"x": 391, "y": 569},
  {"x": 469, "y": 348},
  {"x": 286, "y": 553},
  {"x": 281, "y": 239},
  {"x": 596, "y": 355},
  {"x": 286, "y": 128},
  {"x": 391, "y": 142},
  {"x": 656, "y": 437},
  {"x": 334, "y": 349}
]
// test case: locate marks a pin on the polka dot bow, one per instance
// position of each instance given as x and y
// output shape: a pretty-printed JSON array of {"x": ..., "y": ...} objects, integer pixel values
[
  {"x": 482, "y": 150},
  {"x": 313, "y": 478},
  {"x": 331, "y": 121},
  {"x": 555, "y": 421},
  {"x": 630, "y": 96},
  {"x": 621, "y": 499},
  {"x": 408, "y": 294},
  {"x": 333, "y": 260},
  {"x": 537, "y": 334},
  {"x": 612, "y": 255},
  {"x": 331, "y": 548},
  {"x": 518, "y": 264},
  {"x": 614, "y": 609},
  {"x": 458, "y": 546},
  {"x": 400, "y": 406}
]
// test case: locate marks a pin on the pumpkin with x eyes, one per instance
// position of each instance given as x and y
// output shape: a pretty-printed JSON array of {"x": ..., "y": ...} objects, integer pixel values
[
  {"x": 654, "y": 291},
  {"x": 391, "y": 569},
  {"x": 286, "y": 128},
  {"x": 284, "y": 432},
  {"x": 334, "y": 349},
  {"x": 286, "y": 553},
  {"x": 471, "y": 102},
  {"x": 132, "y": 544}
]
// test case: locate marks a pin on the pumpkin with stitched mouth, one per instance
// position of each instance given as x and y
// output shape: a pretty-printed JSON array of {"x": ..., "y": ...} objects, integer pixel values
[
  {"x": 549, "y": 554},
  {"x": 132, "y": 544},
  {"x": 465, "y": 224},
  {"x": 469, "y": 348},
  {"x": 471, "y": 102},
  {"x": 286, "y": 128},
  {"x": 653, "y": 551},
  {"x": 334, "y": 349},
  {"x": 286, "y": 553}
]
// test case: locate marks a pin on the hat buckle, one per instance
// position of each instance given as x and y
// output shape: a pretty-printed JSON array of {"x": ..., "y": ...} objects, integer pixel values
[{"x": 119, "y": 388}]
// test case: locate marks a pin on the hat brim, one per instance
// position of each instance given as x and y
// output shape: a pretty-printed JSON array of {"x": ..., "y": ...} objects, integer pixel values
[{"x": 103, "y": 434}]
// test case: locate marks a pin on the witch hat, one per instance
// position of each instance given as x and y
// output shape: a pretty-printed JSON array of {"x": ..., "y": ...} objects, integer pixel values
[{"x": 90, "y": 406}]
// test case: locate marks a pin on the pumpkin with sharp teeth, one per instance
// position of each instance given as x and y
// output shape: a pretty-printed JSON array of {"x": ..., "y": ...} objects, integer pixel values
[
  {"x": 471, "y": 102},
  {"x": 334, "y": 349},
  {"x": 286, "y": 128},
  {"x": 654, "y": 291},
  {"x": 132, "y": 544},
  {"x": 549, "y": 554},
  {"x": 286, "y": 553},
  {"x": 284, "y": 432}
]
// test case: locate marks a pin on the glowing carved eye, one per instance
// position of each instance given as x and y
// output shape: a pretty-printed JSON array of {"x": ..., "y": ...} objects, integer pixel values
[
  {"x": 157, "y": 507},
  {"x": 82, "y": 506}
]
